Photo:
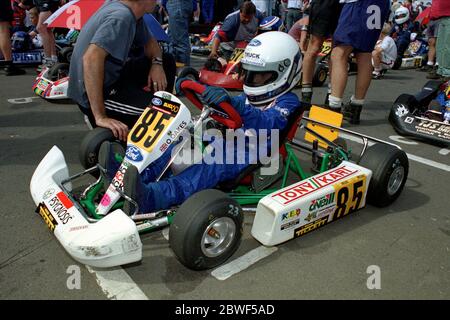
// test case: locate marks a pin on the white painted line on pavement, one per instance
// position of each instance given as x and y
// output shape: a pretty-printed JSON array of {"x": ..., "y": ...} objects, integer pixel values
[
  {"x": 22, "y": 100},
  {"x": 117, "y": 284},
  {"x": 444, "y": 151},
  {"x": 227, "y": 270},
  {"x": 412, "y": 157}
]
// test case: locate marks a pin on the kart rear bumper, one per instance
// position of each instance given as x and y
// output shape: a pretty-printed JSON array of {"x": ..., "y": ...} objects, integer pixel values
[{"x": 111, "y": 241}]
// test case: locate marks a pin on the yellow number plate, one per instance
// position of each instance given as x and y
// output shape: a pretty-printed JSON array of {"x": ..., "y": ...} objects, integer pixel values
[
  {"x": 349, "y": 196},
  {"x": 153, "y": 121}
]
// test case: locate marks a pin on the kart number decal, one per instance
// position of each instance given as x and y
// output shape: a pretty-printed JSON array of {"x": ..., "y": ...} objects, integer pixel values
[
  {"x": 349, "y": 196},
  {"x": 417, "y": 62},
  {"x": 326, "y": 48},
  {"x": 152, "y": 123},
  {"x": 237, "y": 55},
  {"x": 48, "y": 218}
]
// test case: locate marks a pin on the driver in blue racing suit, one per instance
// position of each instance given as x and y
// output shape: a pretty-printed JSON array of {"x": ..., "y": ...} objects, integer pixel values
[{"x": 267, "y": 102}]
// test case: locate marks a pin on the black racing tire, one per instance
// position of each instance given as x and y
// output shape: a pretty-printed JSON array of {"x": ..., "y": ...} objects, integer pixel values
[
  {"x": 397, "y": 63},
  {"x": 390, "y": 168},
  {"x": 320, "y": 75},
  {"x": 58, "y": 71},
  {"x": 192, "y": 226},
  {"x": 190, "y": 73},
  {"x": 66, "y": 54},
  {"x": 90, "y": 146}
]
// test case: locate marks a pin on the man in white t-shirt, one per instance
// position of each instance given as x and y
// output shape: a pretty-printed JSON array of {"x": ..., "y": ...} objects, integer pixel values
[
  {"x": 385, "y": 53},
  {"x": 264, "y": 6}
]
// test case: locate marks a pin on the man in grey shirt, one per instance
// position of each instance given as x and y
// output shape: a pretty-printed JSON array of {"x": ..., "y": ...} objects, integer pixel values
[{"x": 100, "y": 60}]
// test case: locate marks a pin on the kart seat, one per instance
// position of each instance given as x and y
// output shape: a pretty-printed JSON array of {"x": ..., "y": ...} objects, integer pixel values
[
  {"x": 428, "y": 93},
  {"x": 286, "y": 135}
]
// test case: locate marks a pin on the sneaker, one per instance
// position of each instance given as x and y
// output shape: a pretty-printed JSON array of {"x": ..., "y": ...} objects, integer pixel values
[
  {"x": 110, "y": 157},
  {"x": 46, "y": 63},
  {"x": 376, "y": 75},
  {"x": 12, "y": 70},
  {"x": 130, "y": 181},
  {"x": 352, "y": 113}
]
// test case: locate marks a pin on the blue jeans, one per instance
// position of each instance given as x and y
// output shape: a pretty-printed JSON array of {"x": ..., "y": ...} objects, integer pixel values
[
  {"x": 180, "y": 12},
  {"x": 208, "y": 10}
]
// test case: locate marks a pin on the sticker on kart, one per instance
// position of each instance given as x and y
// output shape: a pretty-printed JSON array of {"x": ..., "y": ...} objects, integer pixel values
[
  {"x": 237, "y": 55},
  {"x": 311, "y": 204}
]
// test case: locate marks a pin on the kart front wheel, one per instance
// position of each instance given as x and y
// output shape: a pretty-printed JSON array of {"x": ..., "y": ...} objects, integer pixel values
[
  {"x": 58, "y": 71},
  {"x": 389, "y": 167},
  {"x": 206, "y": 230},
  {"x": 320, "y": 75},
  {"x": 90, "y": 146}
]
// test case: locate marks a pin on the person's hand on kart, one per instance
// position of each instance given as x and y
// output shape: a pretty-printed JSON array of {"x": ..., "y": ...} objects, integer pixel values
[
  {"x": 119, "y": 129},
  {"x": 157, "y": 78},
  {"x": 213, "y": 55},
  {"x": 215, "y": 95}
]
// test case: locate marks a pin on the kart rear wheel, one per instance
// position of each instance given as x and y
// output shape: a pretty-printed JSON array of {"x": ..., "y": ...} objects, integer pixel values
[
  {"x": 397, "y": 63},
  {"x": 190, "y": 73},
  {"x": 320, "y": 75},
  {"x": 389, "y": 167},
  {"x": 90, "y": 145},
  {"x": 206, "y": 229},
  {"x": 66, "y": 54},
  {"x": 58, "y": 71}
]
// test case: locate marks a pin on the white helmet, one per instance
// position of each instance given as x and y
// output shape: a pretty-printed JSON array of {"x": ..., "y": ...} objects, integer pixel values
[
  {"x": 274, "y": 56},
  {"x": 401, "y": 15}
]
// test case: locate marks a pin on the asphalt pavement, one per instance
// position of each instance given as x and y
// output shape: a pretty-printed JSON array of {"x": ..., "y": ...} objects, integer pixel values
[{"x": 407, "y": 243}]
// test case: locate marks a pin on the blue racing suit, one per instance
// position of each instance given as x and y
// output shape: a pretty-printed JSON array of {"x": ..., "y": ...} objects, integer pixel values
[
  {"x": 175, "y": 189},
  {"x": 402, "y": 36}
]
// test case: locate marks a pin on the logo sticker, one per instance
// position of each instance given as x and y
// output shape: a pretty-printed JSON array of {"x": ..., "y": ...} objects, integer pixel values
[
  {"x": 254, "y": 43},
  {"x": 134, "y": 154},
  {"x": 157, "y": 101},
  {"x": 48, "y": 193}
]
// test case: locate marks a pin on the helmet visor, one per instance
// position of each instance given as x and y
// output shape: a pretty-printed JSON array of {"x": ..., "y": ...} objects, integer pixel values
[{"x": 259, "y": 78}]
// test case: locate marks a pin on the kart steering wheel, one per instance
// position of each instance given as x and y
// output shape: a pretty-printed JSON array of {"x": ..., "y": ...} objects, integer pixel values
[{"x": 232, "y": 120}]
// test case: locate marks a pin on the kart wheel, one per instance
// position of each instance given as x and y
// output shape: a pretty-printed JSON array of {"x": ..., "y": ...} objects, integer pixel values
[
  {"x": 389, "y": 167},
  {"x": 90, "y": 145},
  {"x": 190, "y": 73},
  {"x": 397, "y": 63},
  {"x": 407, "y": 100},
  {"x": 58, "y": 71},
  {"x": 206, "y": 229},
  {"x": 66, "y": 54},
  {"x": 320, "y": 75}
]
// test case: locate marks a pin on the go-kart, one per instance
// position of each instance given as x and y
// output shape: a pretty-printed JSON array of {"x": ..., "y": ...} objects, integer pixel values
[
  {"x": 419, "y": 116},
  {"x": 206, "y": 229},
  {"x": 52, "y": 83},
  {"x": 414, "y": 57},
  {"x": 201, "y": 45}
]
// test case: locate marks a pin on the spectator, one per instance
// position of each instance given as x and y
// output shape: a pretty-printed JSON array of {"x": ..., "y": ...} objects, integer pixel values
[
  {"x": 431, "y": 33},
  {"x": 440, "y": 11},
  {"x": 299, "y": 31},
  {"x": 241, "y": 25},
  {"x": 385, "y": 53},
  {"x": 6, "y": 16},
  {"x": 264, "y": 6},
  {"x": 34, "y": 35},
  {"x": 323, "y": 19},
  {"x": 358, "y": 30},
  {"x": 102, "y": 50},
  {"x": 180, "y": 14},
  {"x": 294, "y": 12},
  {"x": 208, "y": 11},
  {"x": 45, "y": 9}
]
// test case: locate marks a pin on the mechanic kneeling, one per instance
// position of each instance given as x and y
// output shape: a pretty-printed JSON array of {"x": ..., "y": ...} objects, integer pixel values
[
  {"x": 101, "y": 65},
  {"x": 267, "y": 102}
]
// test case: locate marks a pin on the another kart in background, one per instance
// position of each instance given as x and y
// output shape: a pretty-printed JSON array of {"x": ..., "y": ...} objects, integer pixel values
[
  {"x": 201, "y": 45},
  {"x": 415, "y": 56},
  {"x": 421, "y": 115}
]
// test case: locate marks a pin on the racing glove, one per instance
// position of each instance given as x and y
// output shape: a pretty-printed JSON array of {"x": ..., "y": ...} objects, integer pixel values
[
  {"x": 215, "y": 95},
  {"x": 178, "y": 91}
]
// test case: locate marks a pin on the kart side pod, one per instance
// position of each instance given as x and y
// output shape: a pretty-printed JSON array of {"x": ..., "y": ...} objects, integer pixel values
[
  {"x": 311, "y": 203},
  {"x": 111, "y": 241}
]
